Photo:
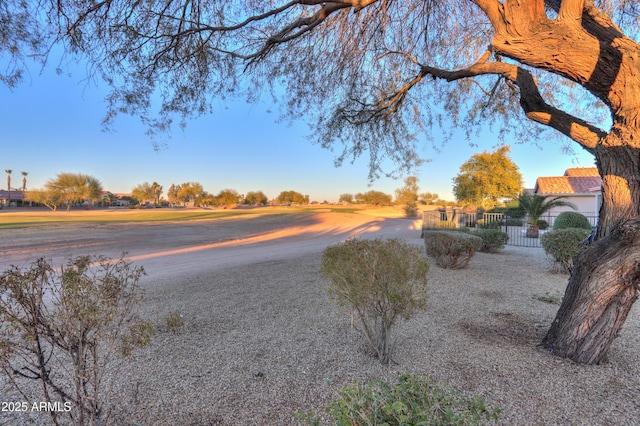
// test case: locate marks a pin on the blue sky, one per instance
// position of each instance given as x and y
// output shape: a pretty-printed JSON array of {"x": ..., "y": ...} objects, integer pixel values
[{"x": 52, "y": 123}]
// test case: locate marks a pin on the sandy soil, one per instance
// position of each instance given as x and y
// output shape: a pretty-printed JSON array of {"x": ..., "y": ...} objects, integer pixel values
[{"x": 262, "y": 341}]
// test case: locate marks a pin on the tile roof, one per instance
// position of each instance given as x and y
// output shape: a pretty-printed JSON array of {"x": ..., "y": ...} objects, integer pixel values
[
  {"x": 582, "y": 171},
  {"x": 577, "y": 180}
]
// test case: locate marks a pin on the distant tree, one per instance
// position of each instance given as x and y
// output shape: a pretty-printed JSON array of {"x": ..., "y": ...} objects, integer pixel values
[
  {"x": 143, "y": 192},
  {"x": 486, "y": 178},
  {"x": 346, "y": 198},
  {"x": 228, "y": 197},
  {"x": 24, "y": 181},
  {"x": 8, "y": 172},
  {"x": 256, "y": 198},
  {"x": 428, "y": 198},
  {"x": 47, "y": 198},
  {"x": 109, "y": 198},
  {"x": 172, "y": 194},
  {"x": 375, "y": 198},
  {"x": 73, "y": 188},
  {"x": 287, "y": 197},
  {"x": 407, "y": 196},
  {"x": 190, "y": 192},
  {"x": 157, "y": 192}
]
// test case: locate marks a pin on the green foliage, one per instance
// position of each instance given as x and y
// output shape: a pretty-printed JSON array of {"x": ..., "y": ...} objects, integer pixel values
[
  {"x": 407, "y": 196},
  {"x": 378, "y": 280},
  {"x": 144, "y": 192},
  {"x": 536, "y": 205},
  {"x": 346, "y": 198},
  {"x": 67, "y": 189},
  {"x": 564, "y": 245},
  {"x": 227, "y": 197},
  {"x": 514, "y": 222},
  {"x": 69, "y": 329},
  {"x": 450, "y": 249},
  {"x": 493, "y": 224},
  {"x": 492, "y": 239},
  {"x": 446, "y": 224},
  {"x": 486, "y": 178},
  {"x": 543, "y": 224},
  {"x": 413, "y": 400},
  {"x": 375, "y": 198},
  {"x": 288, "y": 197},
  {"x": 572, "y": 220},
  {"x": 256, "y": 198}
]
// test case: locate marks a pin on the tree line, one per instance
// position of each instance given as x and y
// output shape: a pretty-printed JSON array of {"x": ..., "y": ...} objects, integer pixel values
[{"x": 70, "y": 189}]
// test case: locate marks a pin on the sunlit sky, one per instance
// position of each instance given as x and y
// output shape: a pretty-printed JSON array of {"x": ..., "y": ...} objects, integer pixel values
[{"x": 52, "y": 123}]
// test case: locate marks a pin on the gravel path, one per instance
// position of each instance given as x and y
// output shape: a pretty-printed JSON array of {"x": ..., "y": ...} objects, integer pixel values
[{"x": 262, "y": 341}]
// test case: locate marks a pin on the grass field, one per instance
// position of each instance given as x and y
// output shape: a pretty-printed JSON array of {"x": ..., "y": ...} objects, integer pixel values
[{"x": 26, "y": 218}]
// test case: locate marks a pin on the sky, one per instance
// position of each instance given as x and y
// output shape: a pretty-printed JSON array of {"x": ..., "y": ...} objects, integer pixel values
[{"x": 51, "y": 123}]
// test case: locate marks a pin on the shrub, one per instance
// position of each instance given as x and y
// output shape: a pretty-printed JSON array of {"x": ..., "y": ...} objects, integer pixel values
[
  {"x": 493, "y": 224},
  {"x": 451, "y": 249},
  {"x": 572, "y": 220},
  {"x": 174, "y": 321},
  {"x": 69, "y": 329},
  {"x": 379, "y": 281},
  {"x": 543, "y": 224},
  {"x": 413, "y": 400},
  {"x": 445, "y": 224},
  {"x": 492, "y": 239},
  {"x": 564, "y": 245},
  {"x": 514, "y": 222}
]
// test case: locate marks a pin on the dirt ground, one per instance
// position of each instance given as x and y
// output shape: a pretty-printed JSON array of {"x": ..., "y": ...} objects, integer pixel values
[{"x": 174, "y": 248}]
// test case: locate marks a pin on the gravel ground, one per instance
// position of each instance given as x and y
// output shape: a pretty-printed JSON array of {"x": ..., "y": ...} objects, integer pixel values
[{"x": 261, "y": 342}]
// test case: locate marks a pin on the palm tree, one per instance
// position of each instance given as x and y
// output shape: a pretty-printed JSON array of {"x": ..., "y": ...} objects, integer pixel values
[
  {"x": 8, "y": 172},
  {"x": 536, "y": 205},
  {"x": 24, "y": 181}
]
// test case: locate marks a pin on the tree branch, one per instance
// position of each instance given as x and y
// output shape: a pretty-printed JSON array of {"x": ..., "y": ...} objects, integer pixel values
[
  {"x": 531, "y": 101},
  {"x": 571, "y": 12}
]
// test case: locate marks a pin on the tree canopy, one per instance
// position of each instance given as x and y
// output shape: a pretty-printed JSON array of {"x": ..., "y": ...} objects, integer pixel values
[
  {"x": 68, "y": 189},
  {"x": 486, "y": 178}
]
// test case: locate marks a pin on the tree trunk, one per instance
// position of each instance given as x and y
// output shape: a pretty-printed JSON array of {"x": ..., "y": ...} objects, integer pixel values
[
  {"x": 605, "y": 281},
  {"x": 601, "y": 291}
]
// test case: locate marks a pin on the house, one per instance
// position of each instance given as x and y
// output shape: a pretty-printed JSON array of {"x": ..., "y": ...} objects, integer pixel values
[
  {"x": 17, "y": 198},
  {"x": 580, "y": 185}
]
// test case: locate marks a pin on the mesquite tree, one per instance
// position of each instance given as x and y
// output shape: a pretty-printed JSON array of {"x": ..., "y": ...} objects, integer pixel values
[{"x": 377, "y": 76}]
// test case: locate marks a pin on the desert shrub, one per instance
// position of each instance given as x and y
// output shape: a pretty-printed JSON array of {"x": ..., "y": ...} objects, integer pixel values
[
  {"x": 493, "y": 224},
  {"x": 567, "y": 220},
  {"x": 543, "y": 224},
  {"x": 514, "y": 222},
  {"x": 70, "y": 328},
  {"x": 174, "y": 321},
  {"x": 492, "y": 239},
  {"x": 451, "y": 249},
  {"x": 445, "y": 224},
  {"x": 564, "y": 245},
  {"x": 379, "y": 281},
  {"x": 413, "y": 400}
]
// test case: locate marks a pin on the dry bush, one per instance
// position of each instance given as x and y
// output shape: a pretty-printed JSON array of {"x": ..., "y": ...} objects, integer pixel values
[
  {"x": 70, "y": 329},
  {"x": 451, "y": 249},
  {"x": 378, "y": 280}
]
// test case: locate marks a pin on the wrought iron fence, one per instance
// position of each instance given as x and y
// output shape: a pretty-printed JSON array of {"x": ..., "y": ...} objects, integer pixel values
[{"x": 516, "y": 228}]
